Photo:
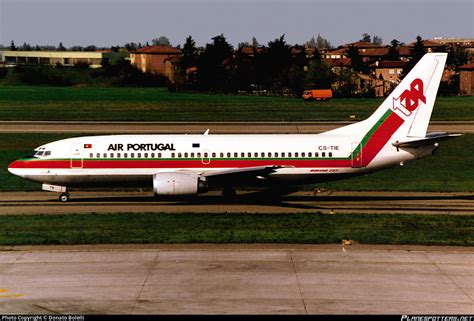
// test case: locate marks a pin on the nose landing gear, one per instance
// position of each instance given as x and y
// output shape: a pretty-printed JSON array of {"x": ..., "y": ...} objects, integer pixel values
[{"x": 64, "y": 197}]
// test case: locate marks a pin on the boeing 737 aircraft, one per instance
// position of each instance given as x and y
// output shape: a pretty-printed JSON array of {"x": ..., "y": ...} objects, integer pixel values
[{"x": 190, "y": 164}]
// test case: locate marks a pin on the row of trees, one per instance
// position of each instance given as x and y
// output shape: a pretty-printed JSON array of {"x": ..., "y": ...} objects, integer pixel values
[
  {"x": 278, "y": 67},
  {"x": 27, "y": 47},
  {"x": 281, "y": 68}
]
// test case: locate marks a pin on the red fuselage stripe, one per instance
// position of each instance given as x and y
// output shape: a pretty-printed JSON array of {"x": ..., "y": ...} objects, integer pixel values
[{"x": 373, "y": 146}]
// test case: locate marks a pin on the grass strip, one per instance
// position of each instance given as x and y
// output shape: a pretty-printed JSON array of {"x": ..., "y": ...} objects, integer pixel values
[
  {"x": 154, "y": 228},
  {"x": 157, "y": 104}
]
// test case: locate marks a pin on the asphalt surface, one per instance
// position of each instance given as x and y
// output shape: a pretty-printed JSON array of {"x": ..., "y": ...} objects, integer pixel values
[
  {"x": 234, "y": 279},
  {"x": 237, "y": 279},
  {"x": 326, "y": 202},
  {"x": 97, "y": 127}
]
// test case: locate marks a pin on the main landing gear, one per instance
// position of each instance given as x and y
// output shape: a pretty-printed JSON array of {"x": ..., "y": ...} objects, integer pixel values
[{"x": 229, "y": 194}]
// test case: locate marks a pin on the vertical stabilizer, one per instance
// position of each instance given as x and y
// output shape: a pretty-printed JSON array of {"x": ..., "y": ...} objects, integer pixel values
[{"x": 407, "y": 111}]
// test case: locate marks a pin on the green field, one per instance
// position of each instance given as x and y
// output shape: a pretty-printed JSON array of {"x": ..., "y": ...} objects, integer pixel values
[
  {"x": 157, "y": 104},
  {"x": 148, "y": 228},
  {"x": 449, "y": 170}
]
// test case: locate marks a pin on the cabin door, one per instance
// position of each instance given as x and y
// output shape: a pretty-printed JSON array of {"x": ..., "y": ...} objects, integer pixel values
[
  {"x": 356, "y": 156},
  {"x": 77, "y": 158}
]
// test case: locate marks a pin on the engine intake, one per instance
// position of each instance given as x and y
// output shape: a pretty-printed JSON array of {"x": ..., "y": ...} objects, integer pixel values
[{"x": 178, "y": 184}]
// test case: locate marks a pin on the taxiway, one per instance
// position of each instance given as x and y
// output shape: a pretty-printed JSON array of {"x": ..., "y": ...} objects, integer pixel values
[
  {"x": 237, "y": 279},
  {"x": 325, "y": 202}
]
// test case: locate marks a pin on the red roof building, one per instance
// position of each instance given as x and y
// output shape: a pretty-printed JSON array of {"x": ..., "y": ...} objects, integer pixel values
[
  {"x": 151, "y": 59},
  {"x": 361, "y": 45},
  {"x": 466, "y": 79}
]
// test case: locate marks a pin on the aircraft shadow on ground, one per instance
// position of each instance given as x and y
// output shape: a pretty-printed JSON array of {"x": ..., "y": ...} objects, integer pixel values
[{"x": 259, "y": 198}]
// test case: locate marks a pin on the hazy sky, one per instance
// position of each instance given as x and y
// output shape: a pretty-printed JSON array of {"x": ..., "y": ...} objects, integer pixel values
[{"x": 116, "y": 22}]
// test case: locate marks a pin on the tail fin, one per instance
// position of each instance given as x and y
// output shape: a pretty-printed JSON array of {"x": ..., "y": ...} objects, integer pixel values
[{"x": 407, "y": 111}]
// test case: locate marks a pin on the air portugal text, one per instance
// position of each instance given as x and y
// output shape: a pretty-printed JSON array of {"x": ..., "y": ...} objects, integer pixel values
[{"x": 141, "y": 147}]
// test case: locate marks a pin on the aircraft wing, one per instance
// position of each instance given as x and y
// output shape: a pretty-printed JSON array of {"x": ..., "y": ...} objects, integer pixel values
[
  {"x": 430, "y": 139},
  {"x": 241, "y": 174}
]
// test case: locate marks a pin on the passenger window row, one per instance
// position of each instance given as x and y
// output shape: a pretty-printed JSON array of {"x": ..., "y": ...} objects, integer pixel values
[
  {"x": 213, "y": 155},
  {"x": 125, "y": 155}
]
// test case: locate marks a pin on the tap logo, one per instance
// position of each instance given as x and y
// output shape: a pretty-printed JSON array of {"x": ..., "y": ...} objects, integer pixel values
[{"x": 409, "y": 99}]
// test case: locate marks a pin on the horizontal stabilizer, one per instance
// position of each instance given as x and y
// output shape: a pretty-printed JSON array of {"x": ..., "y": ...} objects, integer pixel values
[{"x": 430, "y": 139}]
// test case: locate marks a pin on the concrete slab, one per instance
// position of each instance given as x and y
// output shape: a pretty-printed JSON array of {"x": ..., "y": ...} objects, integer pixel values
[{"x": 237, "y": 279}]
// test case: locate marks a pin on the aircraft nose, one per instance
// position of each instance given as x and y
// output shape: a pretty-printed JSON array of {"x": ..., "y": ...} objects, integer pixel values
[{"x": 13, "y": 169}]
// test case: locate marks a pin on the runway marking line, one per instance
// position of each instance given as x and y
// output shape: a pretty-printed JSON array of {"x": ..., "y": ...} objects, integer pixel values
[{"x": 9, "y": 296}]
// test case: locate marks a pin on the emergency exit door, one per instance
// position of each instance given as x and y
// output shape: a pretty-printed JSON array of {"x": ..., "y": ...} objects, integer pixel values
[{"x": 77, "y": 158}]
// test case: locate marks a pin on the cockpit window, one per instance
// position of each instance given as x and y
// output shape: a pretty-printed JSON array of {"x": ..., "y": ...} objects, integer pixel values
[{"x": 39, "y": 153}]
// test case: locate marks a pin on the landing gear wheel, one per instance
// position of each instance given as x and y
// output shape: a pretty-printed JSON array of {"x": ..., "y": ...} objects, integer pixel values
[{"x": 64, "y": 197}]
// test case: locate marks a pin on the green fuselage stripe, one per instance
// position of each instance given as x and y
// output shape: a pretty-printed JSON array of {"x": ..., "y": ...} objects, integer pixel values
[
  {"x": 354, "y": 153},
  {"x": 370, "y": 133}
]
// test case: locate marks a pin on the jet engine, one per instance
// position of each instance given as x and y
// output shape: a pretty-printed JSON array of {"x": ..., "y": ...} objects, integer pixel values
[{"x": 176, "y": 183}]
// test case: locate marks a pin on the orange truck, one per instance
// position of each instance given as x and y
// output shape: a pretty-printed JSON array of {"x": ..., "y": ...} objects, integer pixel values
[{"x": 317, "y": 94}]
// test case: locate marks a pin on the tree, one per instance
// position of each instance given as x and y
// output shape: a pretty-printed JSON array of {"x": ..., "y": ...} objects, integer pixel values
[
  {"x": 366, "y": 38},
  {"x": 319, "y": 43},
  {"x": 161, "y": 41},
  {"x": 277, "y": 63},
  {"x": 417, "y": 52},
  {"x": 90, "y": 48},
  {"x": 61, "y": 47},
  {"x": 377, "y": 40},
  {"x": 213, "y": 73},
  {"x": 12, "y": 46},
  {"x": 255, "y": 43},
  {"x": 311, "y": 43},
  {"x": 243, "y": 74},
  {"x": 190, "y": 53},
  {"x": 457, "y": 56},
  {"x": 77, "y": 48},
  {"x": 26, "y": 47},
  {"x": 296, "y": 77},
  {"x": 322, "y": 43},
  {"x": 345, "y": 84},
  {"x": 243, "y": 44},
  {"x": 393, "y": 54},
  {"x": 319, "y": 75},
  {"x": 131, "y": 46},
  {"x": 356, "y": 60}
]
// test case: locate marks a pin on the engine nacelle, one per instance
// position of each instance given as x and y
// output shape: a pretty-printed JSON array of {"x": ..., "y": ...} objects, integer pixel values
[{"x": 176, "y": 183}]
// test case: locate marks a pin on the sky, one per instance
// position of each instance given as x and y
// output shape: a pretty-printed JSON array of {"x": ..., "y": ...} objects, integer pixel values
[{"x": 106, "y": 23}]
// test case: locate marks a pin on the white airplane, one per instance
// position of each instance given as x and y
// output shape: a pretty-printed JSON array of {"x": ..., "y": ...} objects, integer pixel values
[{"x": 189, "y": 164}]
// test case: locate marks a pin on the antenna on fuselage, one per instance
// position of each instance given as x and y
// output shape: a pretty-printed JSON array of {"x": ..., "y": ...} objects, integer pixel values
[{"x": 206, "y": 132}]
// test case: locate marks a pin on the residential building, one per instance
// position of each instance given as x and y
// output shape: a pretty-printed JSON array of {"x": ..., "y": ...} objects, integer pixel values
[
  {"x": 339, "y": 53},
  {"x": 337, "y": 65},
  {"x": 386, "y": 75},
  {"x": 465, "y": 42},
  {"x": 466, "y": 79},
  {"x": 151, "y": 59}
]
